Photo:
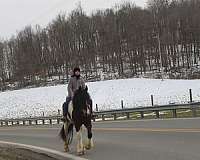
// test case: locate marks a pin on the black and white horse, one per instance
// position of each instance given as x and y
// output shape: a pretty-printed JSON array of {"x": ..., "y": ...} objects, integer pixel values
[{"x": 79, "y": 114}]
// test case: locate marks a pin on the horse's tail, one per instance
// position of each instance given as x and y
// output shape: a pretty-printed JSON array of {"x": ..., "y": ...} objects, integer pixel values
[
  {"x": 62, "y": 134},
  {"x": 69, "y": 136},
  {"x": 70, "y": 133}
]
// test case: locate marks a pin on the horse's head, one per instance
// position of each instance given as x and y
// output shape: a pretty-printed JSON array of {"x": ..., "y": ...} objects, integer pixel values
[{"x": 81, "y": 99}]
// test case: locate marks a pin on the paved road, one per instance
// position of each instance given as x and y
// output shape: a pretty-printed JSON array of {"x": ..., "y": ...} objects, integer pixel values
[{"x": 177, "y": 139}]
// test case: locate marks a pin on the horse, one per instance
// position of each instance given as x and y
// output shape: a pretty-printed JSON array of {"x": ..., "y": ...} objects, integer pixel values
[{"x": 79, "y": 114}]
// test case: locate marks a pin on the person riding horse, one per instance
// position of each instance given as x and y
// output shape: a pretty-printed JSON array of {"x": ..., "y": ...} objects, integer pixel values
[
  {"x": 78, "y": 116},
  {"x": 75, "y": 82}
]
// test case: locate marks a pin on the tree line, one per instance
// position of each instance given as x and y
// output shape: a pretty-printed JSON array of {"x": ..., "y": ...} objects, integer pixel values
[{"x": 126, "y": 40}]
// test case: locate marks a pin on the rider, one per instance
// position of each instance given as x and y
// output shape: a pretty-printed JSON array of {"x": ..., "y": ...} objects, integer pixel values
[{"x": 75, "y": 82}]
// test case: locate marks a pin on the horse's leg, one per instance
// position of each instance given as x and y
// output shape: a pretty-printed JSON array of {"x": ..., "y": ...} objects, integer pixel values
[
  {"x": 66, "y": 148},
  {"x": 67, "y": 122},
  {"x": 89, "y": 143},
  {"x": 80, "y": 147}
]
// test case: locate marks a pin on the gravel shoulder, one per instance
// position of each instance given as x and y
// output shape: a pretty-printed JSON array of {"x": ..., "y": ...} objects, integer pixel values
[{"x": 22, "y": 154}]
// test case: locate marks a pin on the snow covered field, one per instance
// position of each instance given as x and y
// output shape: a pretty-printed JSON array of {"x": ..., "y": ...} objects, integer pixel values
[{"x": 107, "y": 94}]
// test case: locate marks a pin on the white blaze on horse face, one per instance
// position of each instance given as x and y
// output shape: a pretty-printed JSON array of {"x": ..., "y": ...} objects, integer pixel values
[{"x": 88, "y": 111}]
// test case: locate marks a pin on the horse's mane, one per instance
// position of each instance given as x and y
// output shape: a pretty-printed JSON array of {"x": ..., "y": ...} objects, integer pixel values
[{"x": 80, "y": 98}]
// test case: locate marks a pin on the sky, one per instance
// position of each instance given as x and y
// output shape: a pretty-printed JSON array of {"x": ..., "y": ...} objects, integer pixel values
[{"x": 16, "y": 14}]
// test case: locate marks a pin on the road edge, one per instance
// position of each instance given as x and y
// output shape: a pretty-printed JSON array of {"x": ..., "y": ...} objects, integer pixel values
[{"x": 50, "y": 152}]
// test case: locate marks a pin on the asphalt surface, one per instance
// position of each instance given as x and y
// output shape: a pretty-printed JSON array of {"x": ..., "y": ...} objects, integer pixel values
[{"x": 177, "y": 139}]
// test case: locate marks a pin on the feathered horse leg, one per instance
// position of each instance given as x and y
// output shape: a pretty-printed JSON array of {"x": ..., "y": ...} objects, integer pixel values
[
  {"x": 89, "y": 142},
  {"x": 80, "y": 146}
]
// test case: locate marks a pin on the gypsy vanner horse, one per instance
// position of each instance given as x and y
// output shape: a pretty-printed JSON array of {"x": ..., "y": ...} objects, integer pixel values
[{"x": 79, "y": 114}]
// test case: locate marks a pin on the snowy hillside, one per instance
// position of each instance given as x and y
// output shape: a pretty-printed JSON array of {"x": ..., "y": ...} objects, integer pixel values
[{"x": 107, "y": 94}]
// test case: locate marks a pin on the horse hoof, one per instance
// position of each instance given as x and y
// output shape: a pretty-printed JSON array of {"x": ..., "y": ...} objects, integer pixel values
[
  {"x": 81, "y": 153},
  {"x": 66, "y": 149},
  {"x": 88, "y": 147}
]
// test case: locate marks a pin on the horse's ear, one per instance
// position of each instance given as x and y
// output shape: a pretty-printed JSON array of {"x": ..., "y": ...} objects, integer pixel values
[{"x": 86, "y": 88}]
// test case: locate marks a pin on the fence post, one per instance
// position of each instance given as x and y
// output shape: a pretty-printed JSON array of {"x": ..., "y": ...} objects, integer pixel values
[
  {"x": 58, "y": 111},
  {"x": 58, "y": 121},
  {"x": 190, "y": 95},
  {"x": 115, "y": 116},
  {"x": 157, "y": 114},
  {"x": 142, "y": 114},
  {"x": 103, "y": 118},
  {"x": 174, "y": 113},
  {"x": 50, "y": 121},
  {"x": 122, "y": 104},
  {"x": 152, "y": 100},
  {"x": 128, "y": 115},
  {"x": 97, "y": 108},
  {"x": 194, "y": 112}
]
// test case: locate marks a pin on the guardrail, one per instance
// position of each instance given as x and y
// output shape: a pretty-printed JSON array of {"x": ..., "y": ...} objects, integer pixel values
[{"x": 193, "y": 106}]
